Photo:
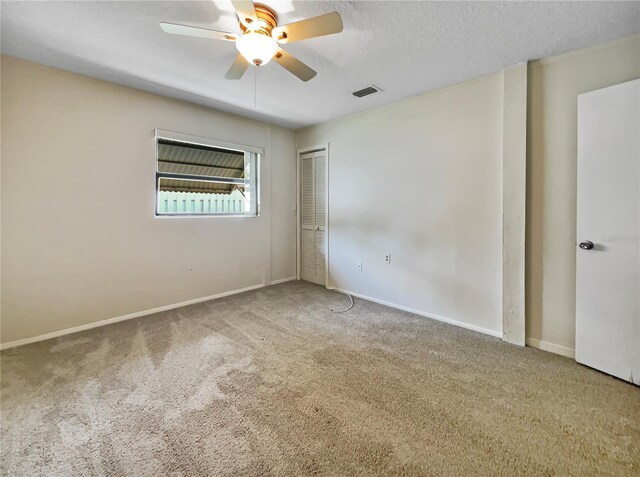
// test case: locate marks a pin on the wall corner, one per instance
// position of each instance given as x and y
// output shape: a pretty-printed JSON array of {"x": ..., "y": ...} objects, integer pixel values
[{"x": 514, "y": 142}]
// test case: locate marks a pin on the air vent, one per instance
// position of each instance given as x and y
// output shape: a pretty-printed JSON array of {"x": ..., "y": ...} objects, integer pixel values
[{"x": 366, "y": 91}]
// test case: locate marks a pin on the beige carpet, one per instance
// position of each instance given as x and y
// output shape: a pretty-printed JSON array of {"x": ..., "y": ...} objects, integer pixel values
[{"x": 271, "y": 382}]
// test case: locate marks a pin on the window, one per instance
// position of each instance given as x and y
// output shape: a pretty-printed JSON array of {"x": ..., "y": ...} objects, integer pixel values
[{"x": 197, "y": 176}]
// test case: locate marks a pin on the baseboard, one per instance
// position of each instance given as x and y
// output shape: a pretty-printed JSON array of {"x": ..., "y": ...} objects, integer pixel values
[
  {"x": 543, "y": 345},
  {"x": 130, "y": 316},
  {"x": 479, "y": 329},
  {"x": 551, "y": 347},
  {"x": 283, "y": 280}
]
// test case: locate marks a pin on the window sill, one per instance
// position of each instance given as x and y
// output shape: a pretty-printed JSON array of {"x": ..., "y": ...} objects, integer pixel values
[{"x": 206, "y": 216}]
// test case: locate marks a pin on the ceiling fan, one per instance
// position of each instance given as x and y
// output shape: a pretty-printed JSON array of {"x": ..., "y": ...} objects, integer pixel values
[{"x": 261, "y": 37}]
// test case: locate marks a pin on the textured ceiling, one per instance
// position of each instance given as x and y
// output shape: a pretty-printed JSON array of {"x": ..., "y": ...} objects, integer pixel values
[{"x": 405, "y": 48}]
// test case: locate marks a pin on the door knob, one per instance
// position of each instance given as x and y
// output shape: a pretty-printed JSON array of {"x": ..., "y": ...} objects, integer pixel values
[{"x": 586, "y": 245}]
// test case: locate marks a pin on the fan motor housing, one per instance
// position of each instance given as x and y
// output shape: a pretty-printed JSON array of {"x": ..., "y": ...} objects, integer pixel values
[{"x": 267, "y": 18}]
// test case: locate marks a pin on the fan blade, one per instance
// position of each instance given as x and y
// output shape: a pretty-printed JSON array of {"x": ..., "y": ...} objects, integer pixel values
[
  {"x": 197, "y": 32},
  {"x": 246, "y": 13},
  {"x": 294, "y": 65},
  {"x": 310, "y": 28},
  {"x": 238, "y": 68}
]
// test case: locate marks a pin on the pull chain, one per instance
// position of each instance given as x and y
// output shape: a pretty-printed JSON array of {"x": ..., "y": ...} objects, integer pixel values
[{"x": 255, "y": 88}]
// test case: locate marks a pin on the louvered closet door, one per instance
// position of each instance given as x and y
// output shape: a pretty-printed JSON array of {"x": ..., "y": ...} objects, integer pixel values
[{"x": 314, "y": 217}]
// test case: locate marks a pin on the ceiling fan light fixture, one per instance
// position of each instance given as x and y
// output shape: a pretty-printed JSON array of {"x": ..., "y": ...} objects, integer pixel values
[
  {"x": 261, "y": 37},
  {"x": 256, "y": 47}
]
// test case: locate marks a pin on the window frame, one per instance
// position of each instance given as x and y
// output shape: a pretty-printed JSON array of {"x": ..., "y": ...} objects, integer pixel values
[{"x": 252, "y": 158}]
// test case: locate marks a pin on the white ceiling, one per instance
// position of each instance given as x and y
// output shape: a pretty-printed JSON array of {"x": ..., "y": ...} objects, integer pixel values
[{"x": 405, "y": 48}]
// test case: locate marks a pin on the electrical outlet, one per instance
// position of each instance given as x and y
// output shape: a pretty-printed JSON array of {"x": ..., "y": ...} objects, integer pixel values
[
  {"x": 387, "y": 258},
  {"x": 359, "y": 266}
]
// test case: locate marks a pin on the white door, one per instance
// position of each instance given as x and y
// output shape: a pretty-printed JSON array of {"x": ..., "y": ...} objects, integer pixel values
[
  {"x": 314, "y": 217},
  {"x": 608, "y": 231}
]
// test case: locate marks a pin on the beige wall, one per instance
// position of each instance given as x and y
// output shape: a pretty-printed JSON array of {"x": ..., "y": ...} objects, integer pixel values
[
  {"x": 437, "y": 168},
  {"x": 430, "y": 162},
  {"x": 553, "y": 87},
  {"x": 80, "y": 242},
  {"x": 421, "y": 180}
]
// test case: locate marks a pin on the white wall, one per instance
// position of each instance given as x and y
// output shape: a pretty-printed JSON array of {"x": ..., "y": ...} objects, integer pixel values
[
  {"x": 553, "y": 88},
  {"x": 69, "y": 256},
  {"x": 422, "y": 180}
]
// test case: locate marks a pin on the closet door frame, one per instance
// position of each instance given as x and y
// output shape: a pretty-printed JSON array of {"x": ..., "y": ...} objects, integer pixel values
[{"x": 299, "y": 154}]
